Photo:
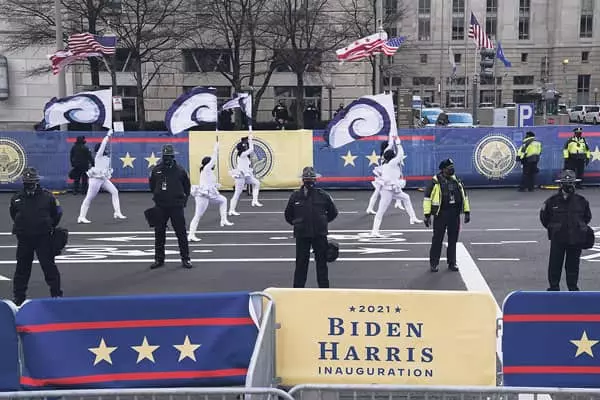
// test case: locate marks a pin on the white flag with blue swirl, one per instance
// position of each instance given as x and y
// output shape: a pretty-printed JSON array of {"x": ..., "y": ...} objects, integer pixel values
[
  {"x": 364, "y": 117},
  {"x": 191, "y": 108},
  {"x": 84, "y": 108}
]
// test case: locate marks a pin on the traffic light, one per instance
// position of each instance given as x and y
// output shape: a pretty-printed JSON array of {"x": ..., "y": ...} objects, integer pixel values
[{"x": 488, "y": 57}]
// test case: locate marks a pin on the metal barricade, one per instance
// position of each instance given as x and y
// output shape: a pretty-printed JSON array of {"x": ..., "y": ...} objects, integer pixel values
[
  {"x": 398, "y": 392},
  {"x": 150, "y": 394}
]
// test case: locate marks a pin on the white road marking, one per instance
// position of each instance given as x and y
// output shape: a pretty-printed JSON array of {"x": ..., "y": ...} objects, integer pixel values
[
  {"x": 505, "y": 242},
  {"x": 281, "y": 212},
  {"x": 368, "y": 250},
  {"x": 196, "y": 244},
  {"x": 261, "y": 200},
  {"x": 502, "y": 229},
  {"x": 499, "y": 259},
  {"x": 4, "y": 278},
  {"x": 223, "y": 260}
]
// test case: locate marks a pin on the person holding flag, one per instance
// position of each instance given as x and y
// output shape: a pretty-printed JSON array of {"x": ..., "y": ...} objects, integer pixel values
[
  {"x": 377, "y": 183},
  {"x": 243, "y": 174},
  {"x": 207, "y": 191}
]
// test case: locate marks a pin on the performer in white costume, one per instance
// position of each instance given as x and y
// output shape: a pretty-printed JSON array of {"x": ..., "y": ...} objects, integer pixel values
[
  {"x": 207, "y": 191},
  {"x": 100, "y": 175},
  {"x": 377, "y": 183},
  {"x": 243, "y": 174},
  {"x": 392, "y": 185}
]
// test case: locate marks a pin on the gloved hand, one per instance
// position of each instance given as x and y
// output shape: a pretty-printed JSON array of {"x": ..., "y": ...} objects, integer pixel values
[
  {"x": 109, "y": 133},
  {"x": 427, "y": 220},
  {"x": 467, "y": 218}
]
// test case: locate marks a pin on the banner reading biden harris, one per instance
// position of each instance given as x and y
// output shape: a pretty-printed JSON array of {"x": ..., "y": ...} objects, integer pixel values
[
  {"x": 344, "y": 336},
  {"x": 278, "y": 158}
]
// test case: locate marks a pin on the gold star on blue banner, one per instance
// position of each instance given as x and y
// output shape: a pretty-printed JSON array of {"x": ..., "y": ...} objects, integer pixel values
[
  {"x": 145, "y": 351},
  {"x": 584, "y": 345},
  {"x": 102, "y": 352},
  {"x": 349, "y": 159},
  {"x": 152, "y": 160},
  {"x": 595, "y": 154},
  {"x": 127, "y": 160},
  {"x": 373, "y": 158},
  {"x": 187, "y": 349}
]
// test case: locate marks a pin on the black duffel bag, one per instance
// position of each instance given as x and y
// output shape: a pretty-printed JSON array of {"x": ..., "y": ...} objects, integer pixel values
[{"x": 60, "y": 237}]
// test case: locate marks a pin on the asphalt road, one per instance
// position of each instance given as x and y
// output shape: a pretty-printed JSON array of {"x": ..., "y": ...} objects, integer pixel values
[{"x": 504, "y": 247}]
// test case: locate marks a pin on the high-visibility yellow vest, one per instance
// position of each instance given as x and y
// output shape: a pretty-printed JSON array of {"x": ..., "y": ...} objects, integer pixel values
[
  {"x": 530, "y": 148},
  {"x": 576, "y": 147},
  {"x": 433, "y": 200}
]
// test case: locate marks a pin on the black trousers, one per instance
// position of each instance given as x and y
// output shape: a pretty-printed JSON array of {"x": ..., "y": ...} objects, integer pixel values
[
  {"x": 446, "y": 221},
  {"x": 303, "y": 245},
  {"x": 80, "y": 180},
  {"x": 42, "y": 246},
  {"x": 560, "y": 254},
  {"x": 577, "y": 166},
  {"x": 528, "y": 176},
  {"x": 177, "y": 217}
]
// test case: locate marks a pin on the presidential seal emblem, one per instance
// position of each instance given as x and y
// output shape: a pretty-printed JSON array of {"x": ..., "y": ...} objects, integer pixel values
[
  {"x": 261, "y": 160},
  {"x": 12, "y": 160},
  {"x": 495, "y": 156}
]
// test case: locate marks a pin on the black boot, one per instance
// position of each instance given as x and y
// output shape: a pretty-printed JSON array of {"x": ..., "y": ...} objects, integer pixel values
[
  {"x": 434, "y": 268},
  {"x": 186, "y": 263},
  {"x": 453, "y": 268},
  {"x": 157, "y": 264}
]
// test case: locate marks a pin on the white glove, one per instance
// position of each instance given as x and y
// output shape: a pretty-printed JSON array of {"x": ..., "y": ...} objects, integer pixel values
[{"x": 109, "y": 133}]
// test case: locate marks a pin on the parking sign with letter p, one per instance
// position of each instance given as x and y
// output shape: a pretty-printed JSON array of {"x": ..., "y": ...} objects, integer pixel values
[{"x": 525, "y": 115}]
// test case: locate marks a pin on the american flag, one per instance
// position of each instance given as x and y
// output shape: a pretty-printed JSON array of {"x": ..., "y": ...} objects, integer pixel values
[
  {"x": 478, "y": 35},
  {"x": 390, "y": 47},
  {"x": 88, "y": 43},
  {"x": 62, "y": 58}
]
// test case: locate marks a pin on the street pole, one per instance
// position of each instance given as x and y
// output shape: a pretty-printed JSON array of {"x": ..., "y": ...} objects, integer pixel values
[
  {"x": 442, "y": 52},
  {"x": 62, "y": 82}
]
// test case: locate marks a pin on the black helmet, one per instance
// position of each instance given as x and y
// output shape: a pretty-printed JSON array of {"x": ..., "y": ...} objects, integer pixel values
[
  {"x": 30, "y": 175},
  {"x": 446, "y": 163}
]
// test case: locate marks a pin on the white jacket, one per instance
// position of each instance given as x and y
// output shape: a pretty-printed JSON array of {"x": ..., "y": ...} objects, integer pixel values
[{"x": 101, "y": 168}]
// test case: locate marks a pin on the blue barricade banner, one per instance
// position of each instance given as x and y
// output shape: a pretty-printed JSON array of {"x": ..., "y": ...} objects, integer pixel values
[
  {"x": 9, "y": 349},
  {"x": 146, "y": 341},
  {"x": 551, "y": 339},
  {"x": 484, "y": 157}
]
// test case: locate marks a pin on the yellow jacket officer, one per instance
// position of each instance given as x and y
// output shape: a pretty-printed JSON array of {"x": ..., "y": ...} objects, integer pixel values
[
  {"x": 576, "y": 154},
  {"x": 529, "y": 155}
]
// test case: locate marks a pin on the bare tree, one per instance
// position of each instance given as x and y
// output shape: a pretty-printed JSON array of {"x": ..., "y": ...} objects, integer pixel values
[
  {"x": 235, "y": 25},
  {"x": 32, "y": 24},
  {"x": 152, "y": 31},
  {"x": 362, "y": 18},
  {"x": 302, "y": 33}
]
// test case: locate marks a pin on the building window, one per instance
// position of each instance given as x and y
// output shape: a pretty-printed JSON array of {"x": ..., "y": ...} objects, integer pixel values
[
  {"x": 524, "y": 15},
  {"x": 129, "y": 96},
  {"x": 490, "y": 81},
  {"x": 206, "y": 60},
  {"x": 583, "y": 89},
  {"x": 424, "y": 20},
  {"x": 423, "y": 81},
  {"x": 585, "y": 56},
  {"x": 520, "y": 95},
  {"x": 491, "y": 18},
  {"x": 586, "y": 23},
  {"x": 458, "y": 19},
  {"x": 524, "y": 57},
  {"x": 423, "y": 58},
  {"x": 312, "y": 94},
  {"x": 457, "y": 58},
  {"x": 224, "y": 93},
  {"x": 396, "y": 81},
  {"x": 523, "y": 80},
  {"x": 486, "y": 96},
  {"x": 281, "y": 65}
]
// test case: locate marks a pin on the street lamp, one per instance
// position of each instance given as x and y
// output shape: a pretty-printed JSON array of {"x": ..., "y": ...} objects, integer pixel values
[
  {"x": 329, "y": 85},
  {"x": 595, "y": 96}
]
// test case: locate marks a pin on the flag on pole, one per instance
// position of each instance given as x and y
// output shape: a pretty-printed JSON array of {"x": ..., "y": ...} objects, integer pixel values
[
  {"x": 390, "y": 47},
  {"x": 243, "y": 101},
  {"x": 191, "y": 108},
  {"x": 87, "y": 43},
  {"x": 62, "y": 58},
  {"x": 477, "y": 33},
  {"x": 452, "y": 61},
  {"x": 500, "y": 56},
  {"x": 361, "y": 48},
  {"x": 84, "y": 108}
]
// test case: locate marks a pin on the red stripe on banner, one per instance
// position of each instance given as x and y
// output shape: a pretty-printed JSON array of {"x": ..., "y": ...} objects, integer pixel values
[
  {"x": 378, "y": 138},
  {"x": 122, "y": 180},
  {"x": 134, "y": 376},
  {"x": 364, "y": 178},
  {"x": 151, "y": 323},
  {"x": 551, "y": 370},
  {"x": 135, "y": 140},
  {"x": 551, "y": 318},
  {"x": 591, "y": 174},
  {"x": 567, "y": 135}
]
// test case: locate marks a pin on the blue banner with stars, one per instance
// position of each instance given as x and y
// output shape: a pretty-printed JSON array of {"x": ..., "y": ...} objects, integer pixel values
[
  {"x": 551, "y": 339},
  {"x": 132, "y": 342},
  {"x": 9, "y": 348}
]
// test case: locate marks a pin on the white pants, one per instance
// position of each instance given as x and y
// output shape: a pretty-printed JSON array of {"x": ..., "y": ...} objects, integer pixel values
[
  {"x": 384, "y": 202},
  {"x": 240, "y": 183},
  {"x": 202, "y": 203},
  {"x": 374, "y": 196},
  {"x": 94, "y": 185}
]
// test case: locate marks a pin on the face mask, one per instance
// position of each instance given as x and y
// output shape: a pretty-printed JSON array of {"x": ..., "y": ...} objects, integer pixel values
[
  {"x": 450, "y": 171},
  {"x": 30, "y": 188},
  {"x": 168, "y": 160},
  {"x": 568, "y": 189},
  {"x": 309, "y": 184}
]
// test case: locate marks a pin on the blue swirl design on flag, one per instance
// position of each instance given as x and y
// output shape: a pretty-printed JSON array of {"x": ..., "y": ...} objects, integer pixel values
[
  {"x": 362, "y": 118},
  {"x": 80, "y": 108},
  {"x": 191, "y": 108}
]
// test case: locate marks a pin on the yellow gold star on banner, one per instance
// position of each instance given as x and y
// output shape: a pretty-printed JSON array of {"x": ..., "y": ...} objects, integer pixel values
[
  {"x": 584, "y": 345},
  {"x": 187, "y": 349},
  {"x": 596, "y": 154},
  {"x": 152, "y": 160},
  {"x": 127, "y": 160},
  {"x": 145, "y": 351},
  {"x": 102, "y": 352},
  {"x": 373, "y": 158},
  {"x": 349, "y": 159}
]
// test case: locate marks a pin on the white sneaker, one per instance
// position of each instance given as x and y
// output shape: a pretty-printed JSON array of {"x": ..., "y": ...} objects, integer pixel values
[
  {"x": 256, "y": 204},
  {"x": 82, "y": 220},
  {"x": 399, "y": 205},
  {"x": 223, "y": 223},
  {"x": 415, "y": 221},
  {"x": 193, "y": 238},
  {"x": 119, "y": 216},
  {"x": 376, "y": 234},
  {"x": 233, "y": 213},
  {"x": 371, "y": 212}
]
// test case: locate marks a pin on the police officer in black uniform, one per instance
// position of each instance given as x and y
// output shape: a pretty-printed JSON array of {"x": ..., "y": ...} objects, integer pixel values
[
  {"x": 170, "y": 186},
  {"x": 35, "y": 213},
  {"x": 310, "y": 210},
  {"x": 566, "y": 216},
  {"x": 81, "y": 161}
]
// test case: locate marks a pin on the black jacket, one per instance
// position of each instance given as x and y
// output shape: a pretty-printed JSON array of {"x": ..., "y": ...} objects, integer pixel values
[
  {"x": 34, "y": 215},
  {"x": 310, "y": 214},
  {"x": 566, "y": 219},
  {"x": 177, "y": 182},
  {"x": 81, "y": 156}
]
